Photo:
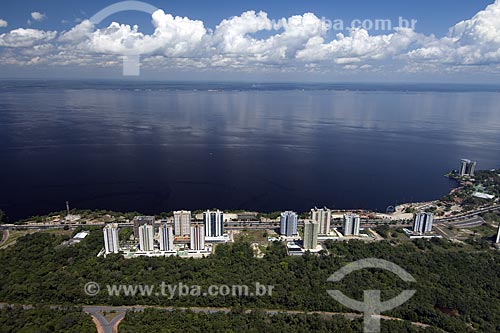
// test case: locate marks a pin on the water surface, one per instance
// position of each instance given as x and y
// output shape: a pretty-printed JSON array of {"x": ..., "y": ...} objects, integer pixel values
[{"x": 155, "y": 147}]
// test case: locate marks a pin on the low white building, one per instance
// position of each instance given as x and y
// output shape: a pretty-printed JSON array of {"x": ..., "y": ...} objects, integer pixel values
[
  {"x": 483, "y": 196},
  {"x": 81, "y": 235}
]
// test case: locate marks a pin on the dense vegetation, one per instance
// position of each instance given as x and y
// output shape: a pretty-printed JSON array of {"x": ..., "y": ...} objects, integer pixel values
[
  {"x": 458, "y": 285},
  {"x": 152, "y": 320},
  {"x": 45, "y": 320},
  {"x": 487, "y": 181},
  {"x": 87, "y": 214}
]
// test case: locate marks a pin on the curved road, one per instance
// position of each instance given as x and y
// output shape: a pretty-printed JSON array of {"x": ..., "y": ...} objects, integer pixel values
[
  {"x": 101, "y": 323},
  {"x": 5, "y": 236},
  {"x": 112, "y": 327},
  {"x": 103, "y": 326}
]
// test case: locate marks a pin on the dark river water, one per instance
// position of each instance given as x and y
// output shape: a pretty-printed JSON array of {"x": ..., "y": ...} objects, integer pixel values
[{"x": 154, "y": 147}]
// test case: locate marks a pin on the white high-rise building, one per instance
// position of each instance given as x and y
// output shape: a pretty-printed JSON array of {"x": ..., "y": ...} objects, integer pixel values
[
  {"x": 197, "y": 237},
  {"x": 142, "y": 220},
  {"x": 146, "y": 238},
  {"x": 467, "y": 167},
  {"x": 214, "y": 223},
  {"x": 182, "y": 222},
  {"x": 310, "y": 239},
  {"x": 463, "y": 167},
  {"x": 289, "y": 221},
  {"x": 166, "y": 238},
  {"x": 351, "y": 224},
  {"x": 111, "y": 240},
  {"x": 498, "y": 235},
  {"x": 422, "y": 222},
  {"x": 322, "y": 216},
  {"x": 472, "y": 168}
]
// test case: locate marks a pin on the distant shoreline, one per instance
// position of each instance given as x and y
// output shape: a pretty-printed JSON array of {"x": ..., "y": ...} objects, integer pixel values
[
  {"x": 263, "y": 86},
  {"x": 236, "y": 211}
]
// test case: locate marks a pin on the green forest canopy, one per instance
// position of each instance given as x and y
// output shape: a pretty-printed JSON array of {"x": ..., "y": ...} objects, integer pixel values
[{"x": 457, "y": 284}]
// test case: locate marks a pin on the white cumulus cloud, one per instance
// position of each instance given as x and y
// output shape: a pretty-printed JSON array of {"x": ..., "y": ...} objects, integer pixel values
[
  {"x": 253, "y": 41},
  {"x": 471, "y": 42},
  {"x": 173, "y": 36},
  {"x": 26, "y": 37},
  {"x": 3, "y": 23},
  {"x": 37, "y": 16},
  {"x": 359, "y": 46}
]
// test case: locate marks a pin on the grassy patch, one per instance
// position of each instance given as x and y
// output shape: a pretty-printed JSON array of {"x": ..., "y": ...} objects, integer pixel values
[
  {"x": 14, "y": 235},
  {"x": 59, "y": 232},
  {"x": 254, "y": 236},
  {"x": 109, "y": 315}
]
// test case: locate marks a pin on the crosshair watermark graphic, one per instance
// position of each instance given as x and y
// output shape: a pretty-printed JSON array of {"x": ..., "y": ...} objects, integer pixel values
[
  {"x": 372, "y": 306},
  {"x": 131, "y": 58}
]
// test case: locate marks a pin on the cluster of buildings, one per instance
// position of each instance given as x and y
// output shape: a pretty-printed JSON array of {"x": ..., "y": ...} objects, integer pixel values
[
  {"x": 468, "y": 169},
  {"x": 181, "y": 236},
  {"x": 318, "y": 227},
  {"x": 172, "y": 237},
  {"x": 318, "y": 224}
]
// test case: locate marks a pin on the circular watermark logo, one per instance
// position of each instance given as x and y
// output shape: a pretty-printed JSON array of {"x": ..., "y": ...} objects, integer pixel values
[{"x": 91, "y": 288}]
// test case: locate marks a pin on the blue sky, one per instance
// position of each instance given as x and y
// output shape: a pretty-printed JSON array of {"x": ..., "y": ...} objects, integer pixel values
[
  {"x": 433, "y": 16},
  {"x": 33, "y": 41}
]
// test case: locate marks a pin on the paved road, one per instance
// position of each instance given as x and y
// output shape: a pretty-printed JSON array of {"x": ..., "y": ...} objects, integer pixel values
[
  {"x": 472, "y": 222},
  {"x": 441, "y": 229},
  {"x": 102, "y": 324},
  {"x": 468, "y": 214},
  {"x": 376, "y": 235},
  {"x": 123, "y": 309},
  {"x": 5, "y": 236}
]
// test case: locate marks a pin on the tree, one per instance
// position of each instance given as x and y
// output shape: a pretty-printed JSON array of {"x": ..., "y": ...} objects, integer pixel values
[
  {"x": 2, "y": 216},
  {"x": 451, "y": 279}
]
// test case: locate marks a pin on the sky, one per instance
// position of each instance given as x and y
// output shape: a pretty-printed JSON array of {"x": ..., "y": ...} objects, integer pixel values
[{"x": 253, "y": 40}]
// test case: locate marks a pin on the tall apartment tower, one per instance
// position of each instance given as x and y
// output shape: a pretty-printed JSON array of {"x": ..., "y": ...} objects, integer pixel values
[
  {"x": 472, "y": 168},
  {"x": 166, "y": 238},
  {"x": 322, "y": 216},
  {"x": 146, "y": 238},
  {"x": 182, "y": 222},
  {"x": 214, "y": 223},
  {"x": 197, "y": 237},
  {"x": 310, "y": 239},
  {"x": 422, "y": 222},
  {"x": 467, "y": 167},
  {"x": 463, "y": 166},
  {"x": 498, "y": 235},
  {"x": 351, "y": 224},
  {"x": 289, "y": 221},
  {"x": 111, "y": 240},
  {"x": 140, "y": 221}
]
